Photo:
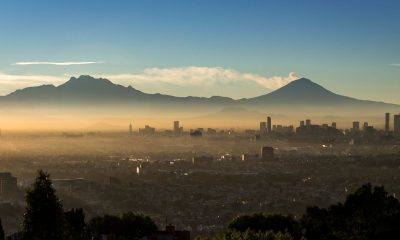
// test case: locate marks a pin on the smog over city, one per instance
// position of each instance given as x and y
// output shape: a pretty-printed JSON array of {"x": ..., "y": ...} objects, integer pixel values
[{"x": 206, "y": 120}]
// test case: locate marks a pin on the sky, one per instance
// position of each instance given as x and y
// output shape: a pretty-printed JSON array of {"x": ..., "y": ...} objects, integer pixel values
[{"x": 240, "y": 48}]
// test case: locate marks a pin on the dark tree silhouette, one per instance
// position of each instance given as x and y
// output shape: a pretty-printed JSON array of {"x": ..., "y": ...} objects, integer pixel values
[
  {"x": 2, "y": 237},
  {"x": 368, "y": 214},
  {"x": 137, "y": 225},
  {"x": 75, "y": 224},
  {"x": 44, "y": 216},
  {"x": 259, "y": 222},
  {"x": 128, "y": 226},
  {"x": 107, "y": 225}
]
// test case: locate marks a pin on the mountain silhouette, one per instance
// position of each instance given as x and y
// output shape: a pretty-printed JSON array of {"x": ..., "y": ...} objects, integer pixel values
[
  {"x": 302, "y": 91},
  {"x": 84, "y": 88},
  {"x": 305, "y": 96},
  {"x": 88, "y": 90}
]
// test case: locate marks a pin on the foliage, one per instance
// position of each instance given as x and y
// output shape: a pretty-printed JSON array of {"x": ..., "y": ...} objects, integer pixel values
[
  {"x": 128, "y": 226},
  {"x": 368, "y": 214},
  {"x": 2, "y": 237},
  {"x": 250, "y": 235},
  {"x": 44, "y": 216},
  {"x": 260, "y": 222},
  {"x": 75, "y": 224}
]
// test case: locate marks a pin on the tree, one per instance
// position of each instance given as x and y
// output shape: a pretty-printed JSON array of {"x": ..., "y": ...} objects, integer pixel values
[
  {"x": 316, "y": 222},
  {"x": 108, "y": 225},
  {"x": 2, "y": 237},
  {"x": 128, "y": 226},
  {"x": 75, "y": 224},
  {"x": 44, "y": 216},
  {"x": 368, "y": 214},
  {"x": 249, "y": 235},
  {"x": 137, "y": 225},
  {"x": 260, "y": 222}
]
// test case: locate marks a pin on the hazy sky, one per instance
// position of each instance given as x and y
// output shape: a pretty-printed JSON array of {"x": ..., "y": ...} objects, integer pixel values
[{"x": 239, "y": 48}]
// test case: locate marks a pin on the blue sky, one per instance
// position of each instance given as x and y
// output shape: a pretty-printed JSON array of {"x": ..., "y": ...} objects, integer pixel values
[{"x": 205, "y": 47}]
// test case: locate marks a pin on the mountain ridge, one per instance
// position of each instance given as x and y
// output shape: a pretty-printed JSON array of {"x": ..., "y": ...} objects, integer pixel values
[{"x": 87, "y": 89}]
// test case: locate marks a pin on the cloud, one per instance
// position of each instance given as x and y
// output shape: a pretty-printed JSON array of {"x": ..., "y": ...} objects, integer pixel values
[
  {"x": 395, "y": 64},
  {"x": 55, "y": 63},
  {"x": 30, "y": 79},
  {"x": 11, "y": 82},
  {"x": 200, "y": 76},
  {"x": 183, "y": 81}
]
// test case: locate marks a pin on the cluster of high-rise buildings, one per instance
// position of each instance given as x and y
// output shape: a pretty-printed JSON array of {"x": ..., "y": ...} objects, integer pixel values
[
  {"x": 177, "y": 129},
  {"x": 147, "y": 130},
  {"x": 305, "y": 128},
  {"x": 387, "y": 129},
  {"x": 266, "y": 127}
]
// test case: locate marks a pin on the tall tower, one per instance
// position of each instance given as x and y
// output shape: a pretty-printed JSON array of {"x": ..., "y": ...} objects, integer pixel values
[
  {"x": 387, "y": 122},
  {"x": 130, "y": 129},
  {"x": 269, "y": 124},
  {"x": 308, "y": 122},
  {"x": 396, "y": 119},
  {"x": 356, "y": 126},
  {"x": 263, "y": 128},
  {"x": 176, "y": 126}
]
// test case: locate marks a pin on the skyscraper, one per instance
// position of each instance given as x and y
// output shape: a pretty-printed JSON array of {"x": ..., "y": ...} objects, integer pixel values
[
  {"x": 356, "y": 126},
  {"x": 302, "y": 123},
  {"x": 269, "y": 124},
  {"x": 334, "y": 125},
  {"x": 130, "y": 129},
  {"x": 387, "y": 122},
  {"x": 396, "y": 120},
  {"x": 263, "y": 128},
  {"x": 308, "y": 122},
  {"x": 176, "y": 126}
]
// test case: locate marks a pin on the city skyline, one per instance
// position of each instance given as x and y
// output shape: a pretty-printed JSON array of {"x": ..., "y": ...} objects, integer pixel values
[
  {"x": 205, "y": 48},
  {"x": 389, "y": 126},
  {"x": 206, "y": 120}
]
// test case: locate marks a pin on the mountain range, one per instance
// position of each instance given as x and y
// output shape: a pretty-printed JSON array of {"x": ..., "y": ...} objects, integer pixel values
[{"x": 85, "y": 90}]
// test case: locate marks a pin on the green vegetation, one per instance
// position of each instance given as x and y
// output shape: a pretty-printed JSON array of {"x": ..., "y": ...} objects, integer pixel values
[
  {"x": 128, "y": 226},
  {"x": 250, "y": 235},
  {"x": 45, "y": 219},
  {"x": 75, "y": 224},
  {"x": 370, "y": 213},
  {"x": 44, "y": 216},
  {"x": 263, "y": 223},
  {"x": 2, "y": 237}
]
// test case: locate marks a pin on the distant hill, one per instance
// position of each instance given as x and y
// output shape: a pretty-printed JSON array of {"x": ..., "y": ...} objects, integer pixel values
[
  {"x": 88, "y": 90},
  {"x": 300, "y": 95},
  {"x": 84, "y": 88},
  {"x": 303, "y": 92}
]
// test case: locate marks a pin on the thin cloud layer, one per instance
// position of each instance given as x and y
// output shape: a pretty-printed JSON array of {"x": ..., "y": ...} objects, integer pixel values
[
  {"x": 197, "y": 81},
  {"x": 55, "y": 63},
  {"x": 395, "y": 64},
  {"x": 202, "y": 76},
  {"x": 11, "y": 82}
]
